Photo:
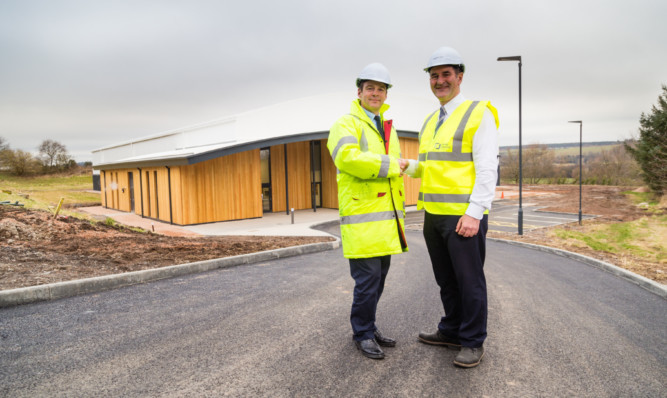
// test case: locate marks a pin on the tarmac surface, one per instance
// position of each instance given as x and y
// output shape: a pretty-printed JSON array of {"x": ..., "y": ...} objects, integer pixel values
[
  {"x": 276, "y": 324},
  {"x": 280, "y": 328}
]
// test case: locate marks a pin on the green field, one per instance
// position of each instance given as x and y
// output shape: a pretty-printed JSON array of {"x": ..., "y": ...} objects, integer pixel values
[
  {"x": 586, "y": 150},
  {"x": 44, "y": 192},
  {"x": 573, "y": 148}
]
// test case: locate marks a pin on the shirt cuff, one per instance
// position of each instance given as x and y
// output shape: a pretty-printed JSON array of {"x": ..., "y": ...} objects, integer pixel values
[
  {"x": 412, "y": 167},
  {"x": 475, "y": 211}
]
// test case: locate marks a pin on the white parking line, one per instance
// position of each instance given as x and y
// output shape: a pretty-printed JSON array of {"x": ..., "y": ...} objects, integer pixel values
[{"x": 538, "y": 217}]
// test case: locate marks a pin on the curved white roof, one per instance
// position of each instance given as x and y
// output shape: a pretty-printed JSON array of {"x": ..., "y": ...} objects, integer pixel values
[{"x": 298, "y": 120}]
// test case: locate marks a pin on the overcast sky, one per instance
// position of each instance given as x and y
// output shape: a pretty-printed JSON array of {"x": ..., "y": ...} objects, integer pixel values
[{"x": 94, "y": 73}]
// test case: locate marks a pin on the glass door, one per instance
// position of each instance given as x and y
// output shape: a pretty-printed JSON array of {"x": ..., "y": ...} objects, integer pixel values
[
  {"x": 316, "y": 173},
  {"x": 265, "y": 165}
]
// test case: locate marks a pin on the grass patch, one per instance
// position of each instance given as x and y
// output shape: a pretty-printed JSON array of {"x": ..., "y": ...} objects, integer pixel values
[
  {"x": 644, "y": 238},
  {"x": 642, "y": 197},
  {"x": 44, "y": 192}
]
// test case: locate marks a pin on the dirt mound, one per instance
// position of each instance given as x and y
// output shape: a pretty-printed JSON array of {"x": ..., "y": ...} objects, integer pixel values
[
  {"x": 38, "y": 249},
  {"x": 609, "y": 204}
]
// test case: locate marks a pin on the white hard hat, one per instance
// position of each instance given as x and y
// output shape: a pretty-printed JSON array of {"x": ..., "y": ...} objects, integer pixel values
[
  {"x": 445, "y": 56},
  {"x": 376, "y": 72}
]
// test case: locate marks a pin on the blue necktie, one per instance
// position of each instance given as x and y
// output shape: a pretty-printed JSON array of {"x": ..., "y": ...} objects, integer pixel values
[
  {"x": 441, "y": 119},
  {"x": 378, "y": 123}
]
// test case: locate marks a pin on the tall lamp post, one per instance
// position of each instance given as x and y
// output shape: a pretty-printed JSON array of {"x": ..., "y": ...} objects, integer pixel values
[
  {"x": 518, "y": 58},
  {"x": 580, "y": 157}
]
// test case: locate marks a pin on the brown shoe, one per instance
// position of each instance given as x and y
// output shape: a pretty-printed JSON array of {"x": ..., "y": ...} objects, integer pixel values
[
  {"x": 438, "y": 338},
  {"x": 469, "y": 357}
]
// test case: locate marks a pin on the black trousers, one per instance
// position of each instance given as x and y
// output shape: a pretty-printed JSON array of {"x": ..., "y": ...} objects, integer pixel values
[
  {"x": 369, "y": 275},
  {"x": 458, "y": 267}
]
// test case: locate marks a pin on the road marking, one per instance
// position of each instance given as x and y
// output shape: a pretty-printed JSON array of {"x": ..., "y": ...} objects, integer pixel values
[
  {"x": 509, "y": 224},
  {"x": 540, "y": 217}
]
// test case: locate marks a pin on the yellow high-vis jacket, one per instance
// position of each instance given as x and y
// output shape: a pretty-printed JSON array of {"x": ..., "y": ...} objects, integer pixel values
[
  {"x": 445, "y": 159},
  {"x": 371, "y": 198}
]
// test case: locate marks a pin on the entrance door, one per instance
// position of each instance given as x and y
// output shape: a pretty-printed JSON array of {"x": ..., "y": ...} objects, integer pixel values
[
  {"x": 316, "y": 173},
  {"x": 265, "y": 165},
  {"x": 130, "y": 179}
]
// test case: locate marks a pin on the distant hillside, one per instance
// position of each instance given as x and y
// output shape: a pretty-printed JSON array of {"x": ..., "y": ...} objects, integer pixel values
[
  {"x": 569, "y": 145},
  {"x": 566, "y": 151}
]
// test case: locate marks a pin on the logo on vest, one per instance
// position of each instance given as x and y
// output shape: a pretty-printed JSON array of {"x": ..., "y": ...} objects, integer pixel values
[{"x": 442, "y": 147}]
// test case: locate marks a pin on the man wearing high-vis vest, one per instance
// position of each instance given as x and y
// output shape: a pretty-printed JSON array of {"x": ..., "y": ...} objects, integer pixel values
[
  {"x": 458, "y": 160},
  {"x": 365, "y": 149}
]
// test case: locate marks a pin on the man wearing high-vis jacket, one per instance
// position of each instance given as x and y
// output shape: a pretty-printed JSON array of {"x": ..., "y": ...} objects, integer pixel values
[
  {"x": 458, "y": 160},
  {"x": 366, "y": 152}
]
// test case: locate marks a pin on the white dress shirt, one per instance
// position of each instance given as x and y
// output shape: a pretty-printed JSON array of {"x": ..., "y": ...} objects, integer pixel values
[{"x": 484, "y": 157}]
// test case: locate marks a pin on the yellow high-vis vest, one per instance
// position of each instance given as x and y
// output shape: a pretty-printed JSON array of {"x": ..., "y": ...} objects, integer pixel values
[
  {"x": 370, "y": 189},
  {"x": 445, "y": 159}
]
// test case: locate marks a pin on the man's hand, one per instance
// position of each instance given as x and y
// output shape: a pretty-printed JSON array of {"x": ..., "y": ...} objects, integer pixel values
[
  {"x": 403, "y": 164},
  {"x": 467, "y": 226}
]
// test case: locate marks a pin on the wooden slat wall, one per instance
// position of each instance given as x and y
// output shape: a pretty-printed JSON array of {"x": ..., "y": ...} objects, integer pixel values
[
  {"x": 226, "y": 188},
  {"x": 229, "y": 188},
  {"x": 137, "y": 190},
  {"x": 115, "y": 185},
  {"x": 329, "y": 184},
  {"x": 278, "y": 177},
  {"x": 410, "y": 150},
  {"x": 122, "y": 196},
  {"x": 298, "y": 167},
  {"x": 177, "y": 195},
  {"x": 154, "y": 194},
  {"x": 103, "y": 187}
]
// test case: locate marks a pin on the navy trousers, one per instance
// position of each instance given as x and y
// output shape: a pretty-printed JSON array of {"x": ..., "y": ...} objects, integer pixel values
[
  {"x": 369, "y": 275},
  {"x": 458, "y": 267}
]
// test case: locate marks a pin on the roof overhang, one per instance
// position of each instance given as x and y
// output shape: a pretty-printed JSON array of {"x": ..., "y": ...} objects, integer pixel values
[{"x": 183, "y": 159}]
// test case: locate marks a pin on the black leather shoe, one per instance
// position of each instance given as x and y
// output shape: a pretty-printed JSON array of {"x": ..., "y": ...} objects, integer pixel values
[
  {"x": 370, "y": 348},
  {"x": 438, "y": 338},
  {"x": 384, "y": 341}
]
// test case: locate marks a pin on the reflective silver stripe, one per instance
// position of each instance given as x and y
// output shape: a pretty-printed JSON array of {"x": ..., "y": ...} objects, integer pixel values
[
  {"x": 343, "y": 141},
  {"x": 426, "y": 122},
  {"x": 422, "y": 157},
  {"x": 458, "y": 136},
  {"x": 363, "y": 145},
  {"x": 444, "y": 197},
  {"x": 449, "y": 156},
  {"x": 368, "y": 217},
  {"x": 384, "y": 166}
]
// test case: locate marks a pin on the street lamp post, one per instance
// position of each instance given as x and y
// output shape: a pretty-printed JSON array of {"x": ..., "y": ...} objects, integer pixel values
[
  {"x": 580, "y": 161},
  {"x": 518, "y": 58}
]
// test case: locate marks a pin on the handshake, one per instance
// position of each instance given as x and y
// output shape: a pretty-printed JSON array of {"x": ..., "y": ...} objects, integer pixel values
[{"x": 408, "y": 166}]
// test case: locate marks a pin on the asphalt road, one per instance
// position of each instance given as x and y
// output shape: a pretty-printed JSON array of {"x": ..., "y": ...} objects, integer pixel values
[{"x": 281, "y": 329}]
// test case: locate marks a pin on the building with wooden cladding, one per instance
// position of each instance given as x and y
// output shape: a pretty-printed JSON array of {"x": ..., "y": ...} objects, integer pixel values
[{"x": 267, "y": 160}]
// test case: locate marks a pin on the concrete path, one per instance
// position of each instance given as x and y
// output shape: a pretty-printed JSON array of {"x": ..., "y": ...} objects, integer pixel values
[{"x": 280, "y": 328}]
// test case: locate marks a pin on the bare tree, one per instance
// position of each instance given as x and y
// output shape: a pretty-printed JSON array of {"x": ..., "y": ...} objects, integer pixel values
[
  {"x": 538, "y": 163},
  {"x": 20, "y": 162},
  {"x": 53, "y": 155},
  {"x": 613, "y": 167},
  {"x": 509, "y": 165},
  {"x": 4, "y": 152}
]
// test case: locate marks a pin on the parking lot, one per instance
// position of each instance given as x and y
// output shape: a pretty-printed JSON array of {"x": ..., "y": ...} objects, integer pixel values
[{"x": 504, "y": 217}]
